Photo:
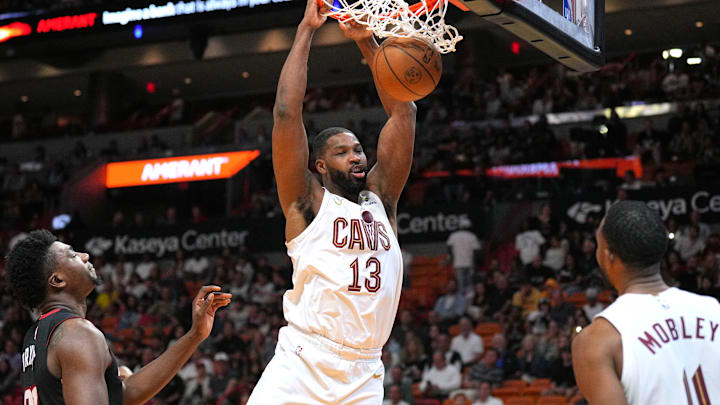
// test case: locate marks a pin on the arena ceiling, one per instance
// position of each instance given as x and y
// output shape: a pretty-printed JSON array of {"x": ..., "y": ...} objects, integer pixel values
[{"x": 53, "y": 77}]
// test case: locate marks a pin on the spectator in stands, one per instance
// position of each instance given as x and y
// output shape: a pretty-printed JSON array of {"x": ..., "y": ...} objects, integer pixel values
[
  {"x": 561, "y": 371},
  {"x": 223, "y": 381},
  {"x": 197, "y": 215},
  {"x": 540, "y": 318},
  {"x": 528, "y": 244},
  {"x": 414, "y": 359},
  {"x": 440, "y": 379},
  {"x": 536, "y": 272},
  {"x": 690, "y": 244},
  {"x": 450, "y": 306},
  {"x": 555, "y": 254},
  {"x": 531, "y": 364},
  {"x": 452, "y": 357},
  {"x": 527, "y": 298},
  {"x": 399, "y": 379},
  {"x": 592, "y": 307},
  {"x": 463, "y": 246},
  {"x": 479, "y": 303},
  {"x": 8, "y": 377},
  {"x": 703, "y": 228},
  {"x": 197, "y": 388},
  {"x": 395, "y": 397},
  {"x": 630, "y": 182},
  {"x": 487, "y": 370},
  {"x": 500, "y": 295},
  {"x": 660, "y": 180},
  {"x": 484, "y": 396},
  {"x": 468, "y": 343}
]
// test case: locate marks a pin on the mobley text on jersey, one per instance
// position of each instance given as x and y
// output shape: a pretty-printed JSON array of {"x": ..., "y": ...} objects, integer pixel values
[{"x": 672, "y": 330}]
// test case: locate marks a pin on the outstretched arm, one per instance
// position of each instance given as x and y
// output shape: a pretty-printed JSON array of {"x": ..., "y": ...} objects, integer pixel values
[
  {"x": 397, "y": 138},
  {"x": 295, "y": 183},
  {"x": 141, "y": 386}
]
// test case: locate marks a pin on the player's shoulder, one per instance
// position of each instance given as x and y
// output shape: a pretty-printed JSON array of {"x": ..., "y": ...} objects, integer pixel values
[
  {"x": 76, "y": 333},
  {"x": 600, "y": 337}
]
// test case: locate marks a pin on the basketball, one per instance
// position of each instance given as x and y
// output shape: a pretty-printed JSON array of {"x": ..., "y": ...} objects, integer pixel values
[{"x": 407, "y": 69}]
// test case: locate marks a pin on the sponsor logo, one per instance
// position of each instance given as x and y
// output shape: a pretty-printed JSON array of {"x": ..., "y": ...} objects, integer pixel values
[
  {"x": 580, "y": 210},
  {"x": 410, "y": 225},
  {"x": 377, "y": 376},
  {"x": 158, "y": 246},
  {"x": 298, "y": 350},
  {"x": 68, "y": 22},
  {"x": 702, "y": 201},
  {"x": 177, "y": 169},
  {"x": 98, "y": 245}
]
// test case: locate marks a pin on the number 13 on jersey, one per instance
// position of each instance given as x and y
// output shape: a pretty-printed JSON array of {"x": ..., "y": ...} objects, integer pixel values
[{"x": 372, "y": 284}]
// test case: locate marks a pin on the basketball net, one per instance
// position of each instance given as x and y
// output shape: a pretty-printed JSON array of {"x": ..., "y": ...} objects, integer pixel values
[{"x": 424, "y": 20}]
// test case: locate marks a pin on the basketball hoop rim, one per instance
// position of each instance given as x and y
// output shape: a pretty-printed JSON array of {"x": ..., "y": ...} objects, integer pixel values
[{"x": 416, "y": 8}]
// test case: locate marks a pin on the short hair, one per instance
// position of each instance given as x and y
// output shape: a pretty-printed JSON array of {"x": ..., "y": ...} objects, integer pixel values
[
  {"x": 319, "y": 141},
  {"x": 637, "y": 235},
  {"x": 29, "y": 264}
]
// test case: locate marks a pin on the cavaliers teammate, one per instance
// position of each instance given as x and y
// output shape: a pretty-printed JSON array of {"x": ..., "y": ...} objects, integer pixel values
[
  {"x": 65, "y": 358},
  {"x": 655, "y": 344},
  {"x": 341, "y": 237}
]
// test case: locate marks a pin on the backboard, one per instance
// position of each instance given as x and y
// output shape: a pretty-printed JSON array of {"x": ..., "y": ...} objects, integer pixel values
[{"x": 570, "y": 31}]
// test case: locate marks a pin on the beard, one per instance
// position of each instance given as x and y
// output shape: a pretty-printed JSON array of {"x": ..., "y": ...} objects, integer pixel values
[{"x": 346, "y": 182}]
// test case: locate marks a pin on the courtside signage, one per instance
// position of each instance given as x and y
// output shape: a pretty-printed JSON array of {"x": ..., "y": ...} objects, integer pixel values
[{"x": 177, "y": 169}]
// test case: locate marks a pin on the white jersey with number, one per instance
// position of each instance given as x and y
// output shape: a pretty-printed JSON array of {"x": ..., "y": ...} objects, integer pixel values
[
  {"x": 670, "y": 345},
  {"x": 347, "y": 273}
]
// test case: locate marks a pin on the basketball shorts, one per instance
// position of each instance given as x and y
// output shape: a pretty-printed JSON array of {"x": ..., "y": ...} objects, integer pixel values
[{"x": 310, "y": 369}]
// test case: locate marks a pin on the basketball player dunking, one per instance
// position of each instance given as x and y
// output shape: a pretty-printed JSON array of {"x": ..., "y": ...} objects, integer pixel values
[
  {"x": 341, "y": 237},
  {"x": 654, "y": 345},
  {"x": 65, "y": 358}
]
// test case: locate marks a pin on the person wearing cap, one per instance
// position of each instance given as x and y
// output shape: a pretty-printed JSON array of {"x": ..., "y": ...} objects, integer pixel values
[{"x": 223, "y": 381}]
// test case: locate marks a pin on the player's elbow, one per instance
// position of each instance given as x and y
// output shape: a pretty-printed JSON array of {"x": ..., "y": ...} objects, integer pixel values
[
  {"x": 281, "y": 111},
  {"x": 408, "y": 110}
]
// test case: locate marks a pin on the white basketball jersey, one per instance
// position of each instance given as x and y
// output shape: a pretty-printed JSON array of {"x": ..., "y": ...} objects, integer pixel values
[
  {"x": 671, "y": 347},
  {"x": 347, "y": 273}
]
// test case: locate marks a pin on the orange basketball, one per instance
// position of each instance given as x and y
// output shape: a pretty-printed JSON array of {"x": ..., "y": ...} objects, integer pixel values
[{"x": 407, "y": 69}]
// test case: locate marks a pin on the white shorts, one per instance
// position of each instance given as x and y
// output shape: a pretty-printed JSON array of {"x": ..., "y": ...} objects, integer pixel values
[{"x": 310, "y": 369}]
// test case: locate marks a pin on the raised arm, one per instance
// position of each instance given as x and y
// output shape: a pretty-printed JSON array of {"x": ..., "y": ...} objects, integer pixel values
[
  {"x": 397, "y": 138},
  {"x": 296, "y": 185},
  {"x": 143, "y": 385},
  {"x": 597, "y": 363}
]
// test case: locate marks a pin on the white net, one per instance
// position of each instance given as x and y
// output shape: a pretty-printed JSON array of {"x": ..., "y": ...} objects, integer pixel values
[{"x": 424, "y": 20}]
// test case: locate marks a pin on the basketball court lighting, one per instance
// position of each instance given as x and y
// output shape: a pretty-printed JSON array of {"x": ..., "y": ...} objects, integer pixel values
[
  {"x": 671, "y": 235},
  {"x": 188, "y": 81},
  {"x": 665, "y": 54},
  {"x": 628, "y": 31},
  {"x": 676, "y": 53},
  {"x": 699, "y": 24},
  {"x": 694, "y": 61},
  {"x": 77, "y": 92}
]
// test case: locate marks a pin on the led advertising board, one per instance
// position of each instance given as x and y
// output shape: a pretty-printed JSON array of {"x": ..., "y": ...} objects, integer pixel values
[{"x": 177, "y": 169}]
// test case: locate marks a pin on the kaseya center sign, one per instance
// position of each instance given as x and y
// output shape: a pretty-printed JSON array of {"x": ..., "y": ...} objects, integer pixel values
[{"x": 177, "y": 169}]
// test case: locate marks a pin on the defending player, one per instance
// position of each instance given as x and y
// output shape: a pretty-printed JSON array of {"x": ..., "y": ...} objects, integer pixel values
[
  {"x": 655, "y": 344},
  {"x": 341, "y": 237},
  {"x": 66, "y": 359}
]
